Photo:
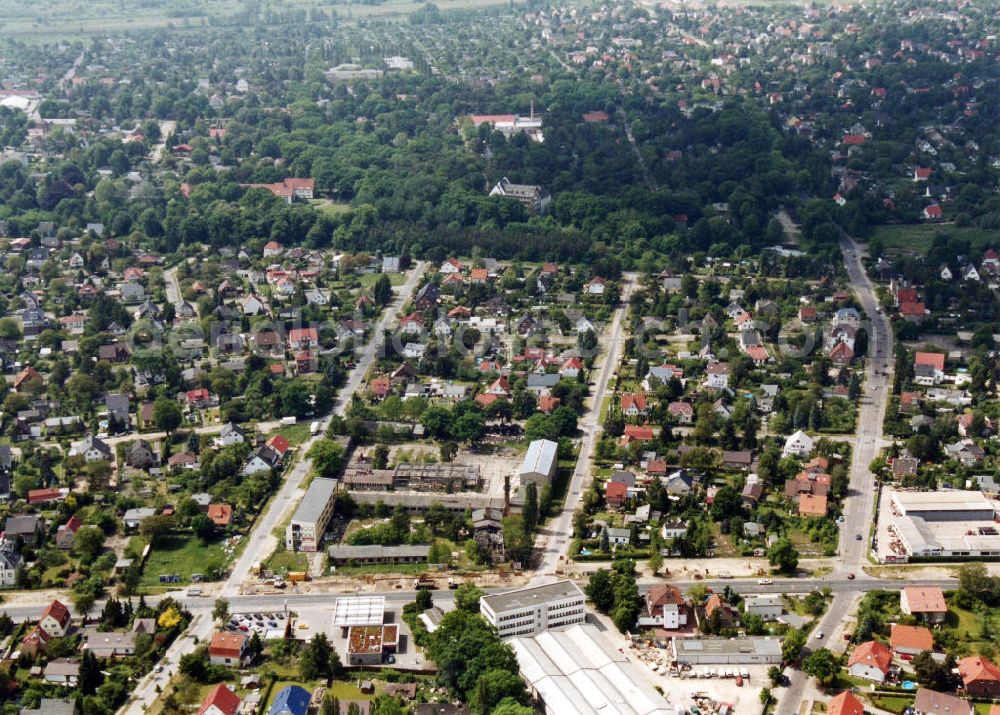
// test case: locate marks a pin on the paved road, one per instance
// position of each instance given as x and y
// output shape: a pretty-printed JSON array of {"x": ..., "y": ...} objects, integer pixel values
[
  {"x": 555, "y": 537},
  {"x": 262, "y": 541},
  {"x": 859, "y": 505}
]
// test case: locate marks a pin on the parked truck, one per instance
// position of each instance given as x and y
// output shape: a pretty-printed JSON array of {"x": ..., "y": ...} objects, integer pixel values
[
  {"x": 297, "y": 576},
  {"x": 425, "y": 582}
]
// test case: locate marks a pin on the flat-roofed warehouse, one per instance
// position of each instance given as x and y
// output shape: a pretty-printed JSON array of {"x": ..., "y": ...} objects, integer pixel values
[
  {"x": 342, "y": 554},
  {"x": 577, "y": 669},
  {"x": 944, "y": 505},
  {"x": 727, "y": 651}
]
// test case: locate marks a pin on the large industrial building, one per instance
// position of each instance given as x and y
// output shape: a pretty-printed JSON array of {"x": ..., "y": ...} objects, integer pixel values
[
  {"x": 528, "y": 611},
  {"x": 577, "y": 669},
  {"x": 944, "y": 505},
  {"x": 310, "y": 520},
  {"x": 939, "y": 524},
  {"x": 540, "y": 463},
  {"x": 727, "y": 651}
]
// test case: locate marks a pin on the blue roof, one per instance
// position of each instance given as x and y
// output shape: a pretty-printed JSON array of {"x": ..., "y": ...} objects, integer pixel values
[{"x": 292, "y": 700}]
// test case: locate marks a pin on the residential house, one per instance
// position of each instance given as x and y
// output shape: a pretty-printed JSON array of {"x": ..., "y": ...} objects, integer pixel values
[
  {"x": 133, "y": 518},
  {"x": 220, "y": 701},
  {"x": 110, "y": 644},
  {"x": 92, "y": 449},
  {"x": 634, "y": 405},
  {"x": 230, "y": 648},
  {"x": 55, "y": 620},
  {"x": 931, "y": 702},
  {"x": 846, "y": 703},
  {"x": 30, "y": 528},
  {"x": 664, "y": 606},
  {"x": 798, "y": 444},
  {"x": 66, "y": 533},
  {"x": 980, "y": 676},
  {"x": 925, "y": 602},
  {"x": 717, "y": 375},
  {"x": 10, "y": 560},
  {"x": 910, "y": 640},
  {"x": 870, "y": 660},
  {"x": 766, "y": 605},
  {"x": 231, "y": 434},
  {"x": 290, "y": 700},
  {"x": 62, "y": 671}
]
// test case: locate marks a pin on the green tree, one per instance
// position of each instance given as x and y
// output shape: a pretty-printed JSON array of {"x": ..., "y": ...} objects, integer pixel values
[
  {"x": 494, "y": 686},
  {"x": 467, "y": 597},
  {"x": 601, "y": 590},
  {"x": 934, "y": 674},
  {"x": 327, "y": 457},
  {"x": 510, "y": 706},
  {"x": 155, "y": 528},
  {"x": 90, "y": 677},
  {"x": 530, "y": 512},
  {"x": 424, "y": 600},
  {"x": 167, "y": 414},
  {"x": 784, "y": 556},
  {"x": 822, "y": 665},
  {"x": 655, "y": 563},
  {"x": 220, "y": 612},
  {"x": 83, "y": 603},
  {"x": 319, "y": 659},
  {"x": 382, "y": 290},
  {"x": 792, "y": 646},
  {"x": 88, "y": 542}
]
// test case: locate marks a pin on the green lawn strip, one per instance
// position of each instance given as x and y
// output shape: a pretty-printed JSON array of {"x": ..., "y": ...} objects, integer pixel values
[{"x": 182, "y": 555}]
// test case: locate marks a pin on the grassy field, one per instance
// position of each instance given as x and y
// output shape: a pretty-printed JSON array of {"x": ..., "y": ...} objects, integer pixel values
[
  {"x": 72, "y": 19},
  {"x": 331, "y": 208},
  {"x": 295, "y": 434},
  {"x": 284, "y": 561},
  {"x": 182, "y": 556},
  {"x": 918, "y": 237},
  {"x": 368, "y": 279}
]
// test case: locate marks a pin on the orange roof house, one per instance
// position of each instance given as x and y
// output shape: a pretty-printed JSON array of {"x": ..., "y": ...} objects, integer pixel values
[
  {"x": 870, "y": 660},
  {"x": 812, "y": 505},
  {"x": 845, "y": 704},
  {"x": 934, "y": 360},
  {"x": 980, "y": 676},
  {"x": 910, "y": 639},
  {"x": 924, "y": 601},
  {"x": 220, "y": 514}
]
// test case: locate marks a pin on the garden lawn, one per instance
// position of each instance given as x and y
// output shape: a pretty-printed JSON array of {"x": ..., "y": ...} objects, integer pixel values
[
  {"x": 892, "y": 703},
  {"x": 182, "y": 555}
]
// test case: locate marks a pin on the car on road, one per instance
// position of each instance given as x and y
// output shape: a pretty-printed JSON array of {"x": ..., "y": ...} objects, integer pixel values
[
  {"x": 850, "y": 577},
  {"x": 819, "y": 635},
  {"x": 764, "y": 581},
  {"x": 857, "y": 537}
]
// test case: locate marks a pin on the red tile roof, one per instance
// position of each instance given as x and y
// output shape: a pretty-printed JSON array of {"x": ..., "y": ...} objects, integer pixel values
[
  {"x": 845, "y": 704},
  {"x": 224, "y": 699},
  {"x": 226, "y": 644},
  {"x": 872, "y": 653}
]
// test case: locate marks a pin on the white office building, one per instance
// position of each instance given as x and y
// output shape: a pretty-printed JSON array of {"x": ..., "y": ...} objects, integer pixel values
[{"x": 528, "y": 611}]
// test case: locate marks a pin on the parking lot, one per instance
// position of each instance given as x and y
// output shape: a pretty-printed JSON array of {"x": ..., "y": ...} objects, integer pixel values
[{"x": 269, "y": 626}]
